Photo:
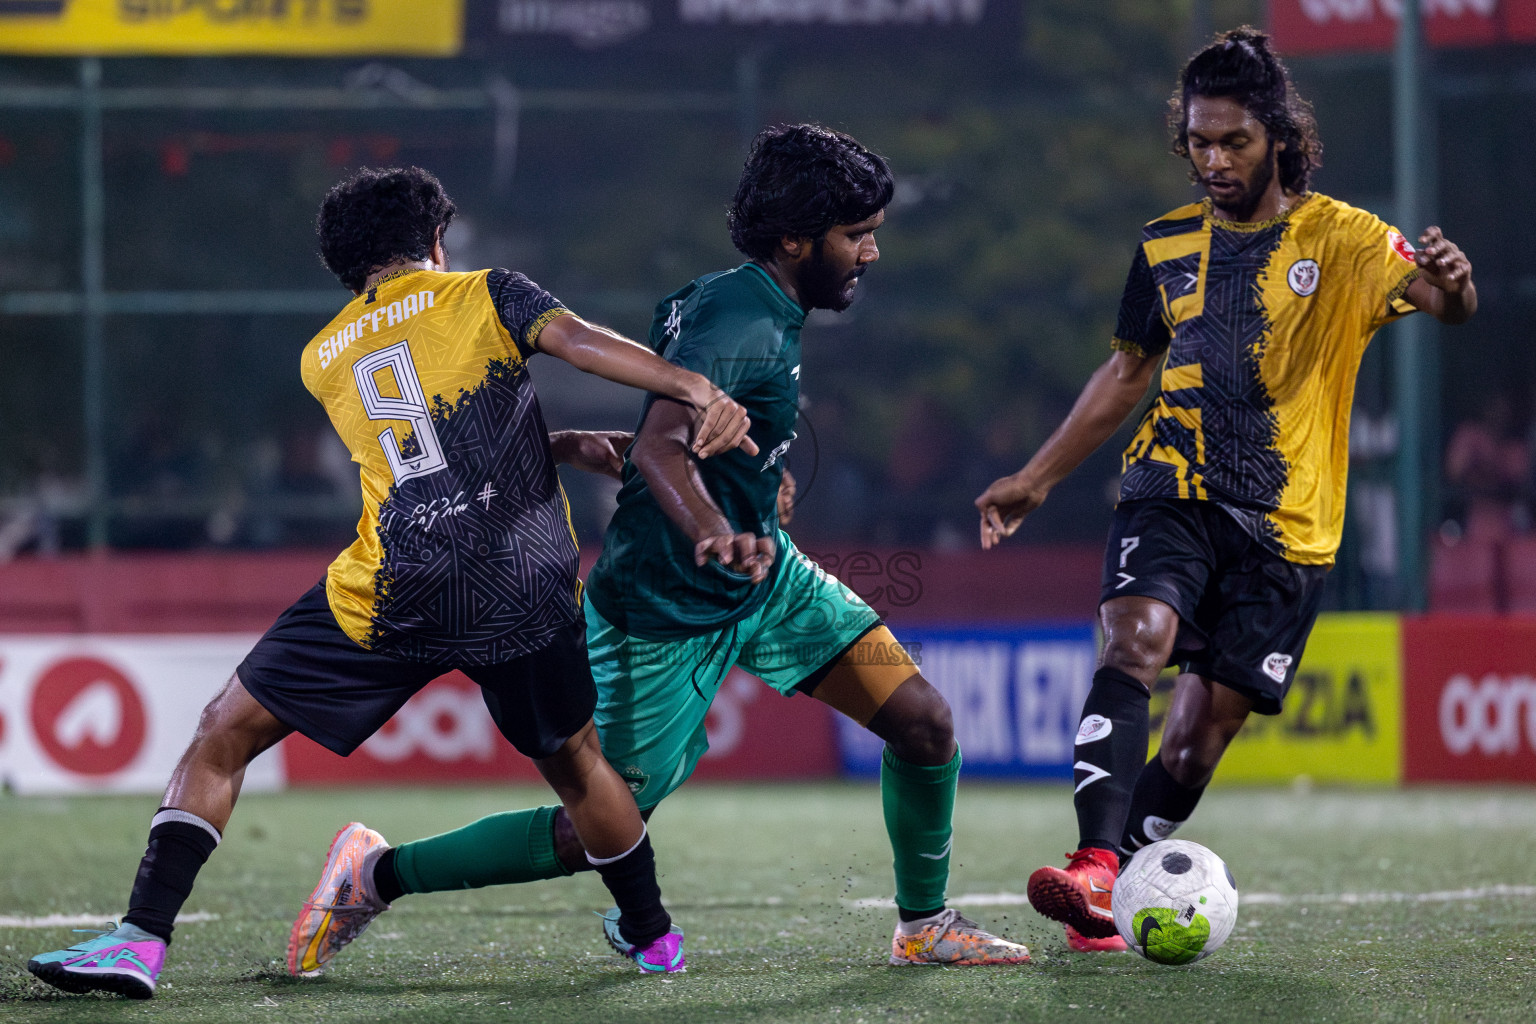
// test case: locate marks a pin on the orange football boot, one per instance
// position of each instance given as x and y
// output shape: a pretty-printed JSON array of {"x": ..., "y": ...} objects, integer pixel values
[
  {"x": 958, "y": 942},
  {"x": 343, "y": 903}
]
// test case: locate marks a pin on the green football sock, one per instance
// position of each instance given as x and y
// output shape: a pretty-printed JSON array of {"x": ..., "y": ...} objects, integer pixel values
[
  {"x": 515, "y": 846},
  {"x": 919, "y": 808}
]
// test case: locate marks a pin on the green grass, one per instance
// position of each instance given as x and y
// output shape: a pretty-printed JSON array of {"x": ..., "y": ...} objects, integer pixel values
[{"x": 766, "y": 881}]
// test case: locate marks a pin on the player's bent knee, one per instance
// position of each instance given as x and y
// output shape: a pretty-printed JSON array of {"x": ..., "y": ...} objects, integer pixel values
[
  {"x": 917, "y": 723},
  {"x": 1138, "y": 636},
  {"x": 570, "y": 770},
  {"x": 1136, "y": 658}
]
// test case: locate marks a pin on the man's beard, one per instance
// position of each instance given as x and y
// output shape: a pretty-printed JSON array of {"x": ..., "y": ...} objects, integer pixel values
[
  {"x": 1242, "y": 205},
  {"x": 822, "y": 286}
]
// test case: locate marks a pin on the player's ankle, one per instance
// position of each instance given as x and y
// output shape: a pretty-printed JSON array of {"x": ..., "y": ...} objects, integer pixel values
[
  {"x": 631, "y": 879},
  {"x": 910, "y": 922},
  {"x": 385, "y": 882}
]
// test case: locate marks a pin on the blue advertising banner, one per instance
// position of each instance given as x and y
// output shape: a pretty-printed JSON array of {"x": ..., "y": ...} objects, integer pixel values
[{"x": 1016, "y": 693}]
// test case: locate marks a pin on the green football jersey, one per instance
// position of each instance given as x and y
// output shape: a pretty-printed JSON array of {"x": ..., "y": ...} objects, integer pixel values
[{"x": 740, "y": 330}]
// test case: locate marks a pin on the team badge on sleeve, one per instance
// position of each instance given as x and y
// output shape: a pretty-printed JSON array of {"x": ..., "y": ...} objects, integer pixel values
[
  {"x": 1400, "y": 245},
  {"x": 1302, "y": 277}
]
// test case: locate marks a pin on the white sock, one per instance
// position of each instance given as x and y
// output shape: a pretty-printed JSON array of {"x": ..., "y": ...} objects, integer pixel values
[
  {"x": 598, "y": 862},
  {"x": 913, "y": 927},
  {"x": 166, "y": 814}
]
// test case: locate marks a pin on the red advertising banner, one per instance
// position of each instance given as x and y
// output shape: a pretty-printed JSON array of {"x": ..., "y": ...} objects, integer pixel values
[
  {"x": 113, "y": 714},
  {"x": 1469, "y": 690},
  {"x": 442, "y": 735},
  {"x": 109, "y": 714},
  {"x": 445, "y": 735},
  {"x": 757, "y": 733},
  {"x": 1520, "y": 20},
  {"x": 1333, "y": 26}
]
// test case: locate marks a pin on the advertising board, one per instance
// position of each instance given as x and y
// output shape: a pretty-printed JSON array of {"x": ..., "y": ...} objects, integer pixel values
[
  {"x": 1470, "y": 695},
  {"x": 1342, "y": 718},
  {"x": 310, "y": 28},
  {"x": 1331, "y": 26},
  {"x": 110, "y": 714},
  {"x": 1016, "y": 693},
  {"x": 444, "y": 735},
  {"x": 100, "y": 714}
]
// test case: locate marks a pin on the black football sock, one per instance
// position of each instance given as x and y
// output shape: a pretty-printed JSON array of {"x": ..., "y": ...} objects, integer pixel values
[
  {"x": 1159, "y": 805},
  {"x": 179, "y": 845},
  {"x": 1110, "y": 751},
  {"x": 631, "y": 878},
  {"x": 386, "y": 884}
]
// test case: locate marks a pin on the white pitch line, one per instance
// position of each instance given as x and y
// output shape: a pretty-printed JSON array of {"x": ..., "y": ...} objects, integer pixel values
[
  {"x": 89, "y": 920},
  {"x": 995, "y": 899},
  {"x": 1487, "y": 892}
]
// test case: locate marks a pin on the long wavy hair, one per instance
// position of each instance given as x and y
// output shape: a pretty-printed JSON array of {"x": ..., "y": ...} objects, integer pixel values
[{"x": 1240, "y": 66}]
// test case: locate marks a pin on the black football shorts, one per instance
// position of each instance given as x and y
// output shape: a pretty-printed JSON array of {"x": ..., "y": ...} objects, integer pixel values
[
  {"x": 1244, "y": 612},
  {"x": 319, "y": 682}
]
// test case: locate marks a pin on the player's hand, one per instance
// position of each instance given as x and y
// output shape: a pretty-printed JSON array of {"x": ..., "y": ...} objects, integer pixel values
[
  {"x": 786, "y": 505},
  {"x": 719, "y": 424},
  {"x": 745, "y": 553},
  {"x": 1441, "y": 262},
  {"x": 592, "y": 451},
  {"x": 1003, "y": 507}
]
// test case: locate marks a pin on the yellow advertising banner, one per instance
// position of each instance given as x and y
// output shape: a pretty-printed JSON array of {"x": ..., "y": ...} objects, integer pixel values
[
  {"x": 1342, "y": 720},
  {"x": 300, "y": 28}
]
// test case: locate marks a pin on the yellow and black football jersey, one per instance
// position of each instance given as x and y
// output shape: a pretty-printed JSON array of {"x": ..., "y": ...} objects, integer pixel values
[
  {"x": 1264, "y": 326},
  {"x": 464, "y": 553}
]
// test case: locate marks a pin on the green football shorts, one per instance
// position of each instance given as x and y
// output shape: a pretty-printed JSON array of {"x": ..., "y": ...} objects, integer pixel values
[{"x": 653, "y": 695}]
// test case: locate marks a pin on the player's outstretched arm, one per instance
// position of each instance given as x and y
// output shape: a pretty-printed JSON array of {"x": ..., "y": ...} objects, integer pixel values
[
  {"x": 1444, "y": 287},
  {"x": 1108, "y": 397},
  {"x": 661, "y": 454},
  {"x": 591, "y": 451},
  {"x": 718, "y": 424}
]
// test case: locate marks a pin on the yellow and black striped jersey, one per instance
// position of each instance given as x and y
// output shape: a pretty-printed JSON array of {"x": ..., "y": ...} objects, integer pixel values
[
  {"x": 464, "y": 553},
  {"x": 1263, "y": 326}
]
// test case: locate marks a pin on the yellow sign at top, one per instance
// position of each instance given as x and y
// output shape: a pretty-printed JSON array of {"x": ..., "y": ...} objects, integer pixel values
[{"x": 298, "y": 28}]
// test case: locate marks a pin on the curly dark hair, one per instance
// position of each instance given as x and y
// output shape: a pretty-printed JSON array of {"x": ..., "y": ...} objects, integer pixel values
[
  {"x": 1241, "y": 66},
  {"x": 378, "y": 217},
  {"x": 802, "y": 180}
]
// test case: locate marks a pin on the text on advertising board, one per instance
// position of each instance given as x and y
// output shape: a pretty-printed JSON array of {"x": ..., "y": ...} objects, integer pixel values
[
  {"x": 1326, "y": 26},
  {"x": 1496, "y": 715},
  {"x": 1015, "y": 693},
  {"x": 1470, "y": 691},
  {"x": 444, "y": 734},
  {"x": 195, "y": 27},
  {"x": 1341, "y": 718}
]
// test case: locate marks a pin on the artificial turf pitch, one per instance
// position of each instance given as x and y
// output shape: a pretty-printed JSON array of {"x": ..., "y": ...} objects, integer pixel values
[{"x": 1358, "y": 905}]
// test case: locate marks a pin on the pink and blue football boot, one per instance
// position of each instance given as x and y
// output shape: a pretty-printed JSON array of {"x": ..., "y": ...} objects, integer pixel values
[
  {"x": 660, "y": 956},
  {"x": 126, "y": 961}
]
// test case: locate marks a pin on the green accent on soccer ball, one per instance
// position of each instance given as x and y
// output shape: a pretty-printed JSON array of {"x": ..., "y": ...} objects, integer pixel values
[
  {"x": 1164, "y": 940},
  {"x": 1202, "y": 899}
]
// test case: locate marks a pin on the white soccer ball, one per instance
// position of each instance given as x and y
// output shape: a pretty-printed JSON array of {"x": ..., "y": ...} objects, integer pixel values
[{"x": 1175, "y": 902}]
